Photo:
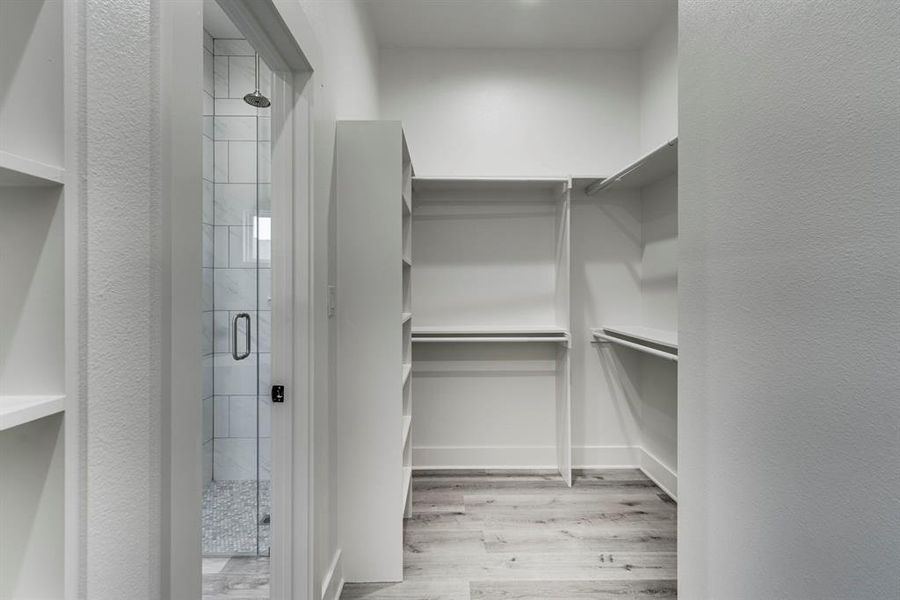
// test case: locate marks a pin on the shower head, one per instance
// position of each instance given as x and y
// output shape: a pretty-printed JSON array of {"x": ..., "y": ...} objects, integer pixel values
[{"x": 255, "y": 98}]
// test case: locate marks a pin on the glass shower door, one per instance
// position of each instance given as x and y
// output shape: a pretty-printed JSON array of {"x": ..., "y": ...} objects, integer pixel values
[{"x": 237, "y": 281}]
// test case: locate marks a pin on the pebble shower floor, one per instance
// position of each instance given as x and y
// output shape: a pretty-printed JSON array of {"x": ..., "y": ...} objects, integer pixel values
[{"x": 231, "y": 524}]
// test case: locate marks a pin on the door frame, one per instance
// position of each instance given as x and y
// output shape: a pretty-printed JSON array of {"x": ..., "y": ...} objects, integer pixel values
[
  {"x": 273, "y": 28},
  {"x": 291, "y": 546}
]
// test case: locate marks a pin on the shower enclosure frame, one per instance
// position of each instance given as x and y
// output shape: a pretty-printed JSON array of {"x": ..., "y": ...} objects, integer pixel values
[{"x": 276, "y": 32}]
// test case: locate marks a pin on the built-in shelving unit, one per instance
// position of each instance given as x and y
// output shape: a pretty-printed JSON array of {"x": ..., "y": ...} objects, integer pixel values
[
  {"x": 628, "y": 334},
  {"x": 374, "y": 362},
  {"x": 33, "y": 283},
  {"x": 648, "y": 169},
  {"x": 491, "y": 281}
]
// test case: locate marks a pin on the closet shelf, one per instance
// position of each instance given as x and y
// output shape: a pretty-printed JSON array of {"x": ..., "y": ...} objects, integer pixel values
[
  {"x": 404, "y": 317},
  {"x": 18, "y": 410},
  {"x": 19, "y": 171},
  {"x": 489, "y": 334},
  {"x": 407, "y": 426},
  {"x": 648, "y": 169},
  {"x": 657, "y": 342},
  {"x": 446, "y": 184}
]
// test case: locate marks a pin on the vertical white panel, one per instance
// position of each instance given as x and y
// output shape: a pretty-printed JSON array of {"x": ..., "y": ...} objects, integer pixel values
[
  {"x": 563, "y": 414},
  {"x": 369, "y": 348}
]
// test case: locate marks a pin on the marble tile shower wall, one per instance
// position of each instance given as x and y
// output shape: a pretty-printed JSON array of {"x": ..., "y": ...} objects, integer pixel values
[{"x": 237, "y": 264}]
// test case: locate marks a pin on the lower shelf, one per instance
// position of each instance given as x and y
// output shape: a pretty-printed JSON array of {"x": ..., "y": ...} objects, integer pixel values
[{"x": 18, "y": 410}]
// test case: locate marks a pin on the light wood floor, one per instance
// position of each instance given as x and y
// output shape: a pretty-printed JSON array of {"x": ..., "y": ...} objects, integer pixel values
[
  {"x": 235, "y": 578},
  {"x": 493, "y": 536}
]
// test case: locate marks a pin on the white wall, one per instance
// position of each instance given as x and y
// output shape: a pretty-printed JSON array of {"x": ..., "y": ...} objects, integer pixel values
[
  {"x": 789, "y": 314},
  {"x": 659, "y": 309},
  {"x": 345, "y": 87},
  {"x": 659, "y": 87},
  {"x": 606, "y": 289},
  {"x": 514, "y": 112}
]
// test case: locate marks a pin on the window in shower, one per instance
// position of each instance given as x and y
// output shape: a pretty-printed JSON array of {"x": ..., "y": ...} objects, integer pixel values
[{"x": 236, "y": 301}]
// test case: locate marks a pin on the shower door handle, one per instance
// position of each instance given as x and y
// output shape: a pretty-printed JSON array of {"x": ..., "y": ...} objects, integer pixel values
[{"x": 234, "y": 337}]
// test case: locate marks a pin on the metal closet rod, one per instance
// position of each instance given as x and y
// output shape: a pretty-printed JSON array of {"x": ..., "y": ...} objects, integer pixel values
[{"x": 602, "y": 338}]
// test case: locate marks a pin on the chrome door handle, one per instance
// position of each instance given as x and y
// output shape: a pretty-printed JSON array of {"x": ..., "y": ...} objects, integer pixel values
[{"x": 234, "y": 337}]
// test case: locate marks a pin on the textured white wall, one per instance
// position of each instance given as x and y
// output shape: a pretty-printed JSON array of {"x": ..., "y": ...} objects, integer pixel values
[
  {"x": 659, "y": 87},
  {"x": 122, "y": 373},
  {"x": 508, "y": 112},
  {"x": 345, "y": 88},
  {"x": 789, "y": 314}
]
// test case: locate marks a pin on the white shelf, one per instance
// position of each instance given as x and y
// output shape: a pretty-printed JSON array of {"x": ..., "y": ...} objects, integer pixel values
[
  {"x": 648, "y": 169},
  {"x": 407, "y": 426},
  {"x": 660, "y": 337},
  {"x": 404, "y": 317},
  {"x": 489, "y": 334},
  {"x": 18, "y": 410},
  {"x": 407, "y": 369},
  {"x": 447, "y": 184},
  {"x": 657, "y": 342},
  {"x": 407, "y": 484},
  {"x": 18, "y": 171}
]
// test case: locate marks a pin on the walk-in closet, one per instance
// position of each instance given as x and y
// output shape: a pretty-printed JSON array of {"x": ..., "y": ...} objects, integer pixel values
[{"x": 526, "y": 277}]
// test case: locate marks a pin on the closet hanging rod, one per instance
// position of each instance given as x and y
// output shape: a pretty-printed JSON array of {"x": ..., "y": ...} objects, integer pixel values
[{"x": 603, "y": 338}]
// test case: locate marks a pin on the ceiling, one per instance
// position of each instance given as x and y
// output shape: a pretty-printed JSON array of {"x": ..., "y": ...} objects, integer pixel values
[
  {"x": 520, "y": 24},
  {"x": 217, "y": 23}
]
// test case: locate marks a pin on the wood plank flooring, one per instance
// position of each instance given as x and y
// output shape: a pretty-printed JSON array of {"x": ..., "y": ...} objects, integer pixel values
[
  {"x": 237, "y": 578},
  {"x": 508, "y": 536}
]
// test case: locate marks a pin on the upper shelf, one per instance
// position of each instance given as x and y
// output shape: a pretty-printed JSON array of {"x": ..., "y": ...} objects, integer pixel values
[
  {"x": 660, "y": 337},
  {"x": 489, "y": 334},
  {"x": 447, "y": 184},
  {"x": 18, "y": 410},
  {"x": 657, "y": 342},
  {"x": 17, "y": 171},
  {"x": 648, "y": 169}
]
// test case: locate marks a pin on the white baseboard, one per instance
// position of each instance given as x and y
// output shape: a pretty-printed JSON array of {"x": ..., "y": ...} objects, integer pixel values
[
  {"x": 606, "y": 457},
  {"x": 534, "y": 458},
  {"x": 484, "y": 457},
  {"x": 661, "y": 475},
  {"x": 333, "y": 582}
]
